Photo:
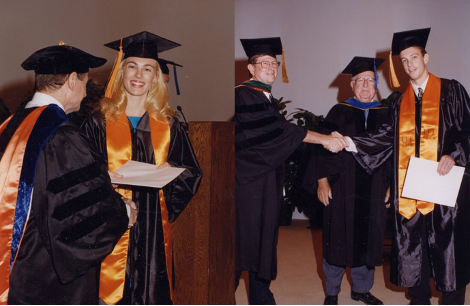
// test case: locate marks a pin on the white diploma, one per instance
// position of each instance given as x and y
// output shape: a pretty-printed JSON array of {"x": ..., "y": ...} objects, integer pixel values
[
  {"x": 143, "y": 174},
  {"x": 422, "y": 182}
]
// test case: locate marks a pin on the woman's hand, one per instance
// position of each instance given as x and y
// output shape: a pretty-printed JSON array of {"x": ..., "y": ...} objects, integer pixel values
[
  {"x": 115, "y": 175},
  {"x": 164, "y": 165},
  {"x": 324, "y": 191},
  {"x": 133, "y": 211}
]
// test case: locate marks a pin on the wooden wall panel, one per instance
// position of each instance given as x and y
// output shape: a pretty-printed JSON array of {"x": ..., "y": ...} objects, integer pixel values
[{"x": 203, "y": 234}]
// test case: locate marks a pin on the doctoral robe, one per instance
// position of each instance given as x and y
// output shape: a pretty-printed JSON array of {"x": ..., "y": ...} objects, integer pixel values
[
  {"x": 448, "y": 227},
  {"x": 146, "y": 270},
  {"x": 263, "y": 141},
  {"x": 75, "y": 220},
  {"x": 354, "y": 221}
]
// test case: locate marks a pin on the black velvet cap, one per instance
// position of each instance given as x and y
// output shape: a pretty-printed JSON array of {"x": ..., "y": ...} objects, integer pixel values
[
  {"x": 61, "y": 59},
  {"x": 406, "y": 39},
  {"x": 271, "y": 46},
  {"x": 164, "y": 65},
  {"x": 360, "y": 64},
  {"x": 143, "y": 44}
]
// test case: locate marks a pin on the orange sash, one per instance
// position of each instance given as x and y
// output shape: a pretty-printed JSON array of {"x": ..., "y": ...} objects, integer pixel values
[
  {"x": 428, "y": 140},
  {"x": 119, "y": 146},
  {"x": 10, "y": 171}
]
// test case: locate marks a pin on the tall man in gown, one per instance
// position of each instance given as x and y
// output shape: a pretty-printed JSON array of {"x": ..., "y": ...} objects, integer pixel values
[
  {"x": 263, "y": 141},
  {"x": 60, "y": 215},
  {"x": 430, "y": 120},
  {"x": 354, "y": 216}
]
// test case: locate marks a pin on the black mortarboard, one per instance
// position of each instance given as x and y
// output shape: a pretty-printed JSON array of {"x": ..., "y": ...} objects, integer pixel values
[
  {"x": 165, "y": 70},
  {"x": 143, "y": 44},
  {"x": 271, "y": 46},
  {"x": 164, "y": 65},
  {"x": 406, "y": 39},
  {"x": 360, "y": 64},
  {"x": 61, "y": 59}
]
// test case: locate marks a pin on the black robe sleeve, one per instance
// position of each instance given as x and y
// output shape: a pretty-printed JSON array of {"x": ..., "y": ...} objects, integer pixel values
[
  {"x": 263, "y": 141},
  {"x": 179, "y": 192},
  {"x": 78, "y": 214}
]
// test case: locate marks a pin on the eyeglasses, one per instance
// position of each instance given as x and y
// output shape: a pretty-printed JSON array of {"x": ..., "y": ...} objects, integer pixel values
[
  {"x": 360, "y": 81},
  {"x": 269, "y": 64}
]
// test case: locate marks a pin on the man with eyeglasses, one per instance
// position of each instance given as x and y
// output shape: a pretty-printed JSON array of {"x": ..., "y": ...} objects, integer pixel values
[
  {"x": 430, "y": 120},
  {"x": 263, "y": 141},
  {"x": 355, "y": 202}
]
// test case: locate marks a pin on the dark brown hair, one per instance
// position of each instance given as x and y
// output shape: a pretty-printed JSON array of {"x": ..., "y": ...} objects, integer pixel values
[{"x": 53, "y": 82}]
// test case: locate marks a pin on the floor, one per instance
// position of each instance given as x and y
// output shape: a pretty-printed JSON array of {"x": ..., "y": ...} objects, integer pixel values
[{"x": 300, "y": 276}]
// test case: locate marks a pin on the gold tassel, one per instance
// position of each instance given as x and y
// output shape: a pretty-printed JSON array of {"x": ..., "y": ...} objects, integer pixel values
[
  {"x": 393, "y": 76},
  {"x": 285, "y": 78},
  {"x": 110, "y": 88}
]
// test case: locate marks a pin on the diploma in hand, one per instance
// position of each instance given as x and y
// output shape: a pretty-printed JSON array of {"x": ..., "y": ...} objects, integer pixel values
[
  {"x": 422, "y": 182},
  {"x": 147, "y": 175}
]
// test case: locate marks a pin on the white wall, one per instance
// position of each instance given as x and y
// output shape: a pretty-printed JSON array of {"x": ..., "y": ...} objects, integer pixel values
[
  {"x": 320, "y": 37},
  {"x": 207, "y": 38}
]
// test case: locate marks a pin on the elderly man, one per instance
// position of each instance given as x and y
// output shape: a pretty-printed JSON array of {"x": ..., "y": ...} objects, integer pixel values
[
  {"x": 354, "y": 215},
  {"x": 430, "y": 120},
  {"x": 263, "y": 141},
  {"x": 60, "y": 215}
]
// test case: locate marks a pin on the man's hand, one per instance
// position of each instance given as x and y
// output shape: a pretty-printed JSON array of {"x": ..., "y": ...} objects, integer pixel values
[
  {"x": 387, "y": 198},
  {"x": 324, "y": 191},
  {"x": 133, "y": 211},
  {"x": 445, "y": 165},
  {"x": 115, "y": 175},
  {"x": 335, "y": 142}
]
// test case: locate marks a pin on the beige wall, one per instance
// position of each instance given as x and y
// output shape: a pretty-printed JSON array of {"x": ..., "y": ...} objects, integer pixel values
[
  {"x": 204, "y": 28},
  {"x": 320, "y": 37}
]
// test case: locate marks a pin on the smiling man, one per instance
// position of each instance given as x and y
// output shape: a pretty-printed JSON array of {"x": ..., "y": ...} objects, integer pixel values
[
  {"x": 354, "y": 216},
  {"x": 433, "y": 115},
  {"x": 263, "y": 141}
]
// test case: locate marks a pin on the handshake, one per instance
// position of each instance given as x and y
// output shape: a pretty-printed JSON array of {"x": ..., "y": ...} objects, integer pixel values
[{"x": 334, "y": 142}]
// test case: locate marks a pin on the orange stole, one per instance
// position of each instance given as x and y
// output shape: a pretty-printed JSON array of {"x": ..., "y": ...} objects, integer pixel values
[
  {"x": 119, "y": 147},
  {"x": 428, "y": 140},
  {"x": 10, "y": 171}
]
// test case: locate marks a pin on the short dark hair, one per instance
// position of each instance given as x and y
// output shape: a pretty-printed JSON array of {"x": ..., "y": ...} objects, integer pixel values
[
  {"x": 53, "y": 82},
  {"x": 252, "y": 60}
]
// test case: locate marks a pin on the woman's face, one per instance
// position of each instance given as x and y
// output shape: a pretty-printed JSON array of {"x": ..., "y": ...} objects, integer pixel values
[{"x": 138, "y": 75}]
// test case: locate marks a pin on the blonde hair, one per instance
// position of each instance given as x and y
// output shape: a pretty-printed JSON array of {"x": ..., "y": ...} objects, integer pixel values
[{"x": 156, "y": 103}]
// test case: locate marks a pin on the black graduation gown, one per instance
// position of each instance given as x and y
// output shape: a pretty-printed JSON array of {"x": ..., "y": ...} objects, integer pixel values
[
  {"x": 146, "y": 272},
  {"x": 263, "y": 141},
  {"x": 76, "y": 219},
  {"x": 448, "y": 227},
  {"x": 354, "y": 221}
]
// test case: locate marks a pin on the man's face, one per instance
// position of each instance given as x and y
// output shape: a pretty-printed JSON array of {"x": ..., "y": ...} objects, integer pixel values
[
  {"x": 414, "y": 64},
  {"x": 265, "y": 75},
  {"x": 363, "y": 86}
]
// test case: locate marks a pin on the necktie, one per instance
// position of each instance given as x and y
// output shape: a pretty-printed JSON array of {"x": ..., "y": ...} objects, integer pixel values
[
  {"x": 418, "y": 120},
  {"x": 420, "y": 95}
]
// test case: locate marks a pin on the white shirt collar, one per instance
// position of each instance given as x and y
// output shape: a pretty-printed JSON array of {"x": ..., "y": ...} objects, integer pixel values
[
  {"x": 422, "y": 86},
  {"x": 41, "y": 99}
]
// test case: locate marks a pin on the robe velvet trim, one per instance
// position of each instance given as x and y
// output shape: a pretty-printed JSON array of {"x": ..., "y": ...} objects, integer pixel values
[
  {"x": 119, "y": 147},
  {"x": 17, "y": 173},
  {"x": 428, "y": 140}
]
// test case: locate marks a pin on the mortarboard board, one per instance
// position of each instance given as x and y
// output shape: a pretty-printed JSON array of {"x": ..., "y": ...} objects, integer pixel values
[
  {"x": 165, "y": 70},
  {"x": 271, "y": 46},
  {"x": 360, "y": 64},
  {"x": 61, "y": 59},
  {"x": 404, "y": 40},
  {"x": 143, "y": 44}
]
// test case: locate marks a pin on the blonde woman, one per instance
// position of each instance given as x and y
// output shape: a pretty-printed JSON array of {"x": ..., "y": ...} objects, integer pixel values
[{"x": 135, "y": 122}]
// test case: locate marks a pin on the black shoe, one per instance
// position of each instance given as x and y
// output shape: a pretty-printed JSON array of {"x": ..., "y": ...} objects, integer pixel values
[
  {"x": 367, "y": 298},
  {"x": 331, "y": 300}
]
